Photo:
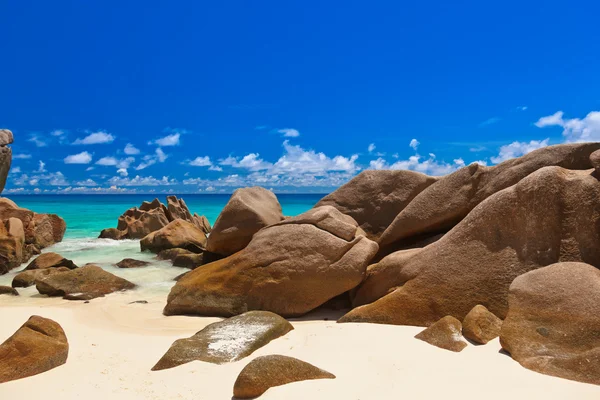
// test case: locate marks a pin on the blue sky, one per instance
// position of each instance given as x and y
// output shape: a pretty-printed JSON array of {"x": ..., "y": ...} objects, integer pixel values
[{"x": 196, "y": 96}]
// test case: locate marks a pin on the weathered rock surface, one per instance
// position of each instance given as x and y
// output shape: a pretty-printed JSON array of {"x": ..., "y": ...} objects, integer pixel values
[
  {"x": 171, "y": 254},
  {"x": 375, "y": 198},
  {"x": 6, "y": 138},
  {"x": 12, "y": 242},
  {"x": 247, "y": 211},
  {"x": 132, "y": 263},
  {"x": 8, "y": 290},
  {"x": 289, "y": 268},
  {"x": 480, "y": 325},
  {"x": 48, "y": 229},
  {"x": 553, "y": 321},
  {"x": 226, "y": 341},
  {"x": 28, "y": 278},
  {"x": 38, "y": 346},
  {"x": 444, "y": 334},
  {"x": 547, "y": 217},
  {"x": 177, "y": 234},
  {"x": 445, "y": 203},
  {"x": 266, "y": 372},
  {"x": 136, "y": 223},
  {"x": 85, "y": 283},
  {"x": 50, "y": 260}
]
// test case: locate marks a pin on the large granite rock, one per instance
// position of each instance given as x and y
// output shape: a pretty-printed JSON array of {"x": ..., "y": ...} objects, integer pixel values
[
  {"x": 375, "y": 198},
  {"x": 553, "y": 321},
  {"x": 12, "y": 244},
  {"x": 178, "y": 234},
  {"x": 445, "y": 203},
  {"x": 247, "y": 211},
  {"x": 38, "y": 346},
  {"x": 48, "y": 229},
  {"x": 226, "y": 341},
  {"x": 136, "y": 223},
  {"x": 444, "y": 334},
  {"x": 28, "y": 278},
  {"x": 6, "y": 138},
  {"x": 87, "y": 282},
  {"x": 289, "y": 268},
  {"x": 545, "y": 218},
  {"x": 266, "y": 372},
  {"x": 480, "y": 325},
  {"x": 50, "y": 260}
]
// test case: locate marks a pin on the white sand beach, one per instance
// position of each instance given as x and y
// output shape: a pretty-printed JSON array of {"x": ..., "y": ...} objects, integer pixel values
[{"x": 114, "y": 344}]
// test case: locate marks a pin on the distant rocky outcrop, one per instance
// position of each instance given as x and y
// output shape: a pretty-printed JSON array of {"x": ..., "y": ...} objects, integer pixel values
[
  {"x": 266, "y": 372},
  {"x": 375, "y": 198},
  {"x": 553, "y": 321},
  {"x": 247, "y": 211},
  {"x": 178, "y": 234},
  {"x": 85, "y": 283},
  {"x": 38, "y": 346},
  {"x": 136, "y": 223},
  {"x": 226, "y": 341},
  {"x": 289, "y": 268},
  {"x": 547, "y": 217}
]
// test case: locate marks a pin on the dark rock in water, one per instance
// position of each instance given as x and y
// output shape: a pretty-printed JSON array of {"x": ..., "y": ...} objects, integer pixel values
[
  {"x": 226, "y": 341},
  {"x": 375, "y": 198},
  {"x": 266, "y": 372},
  {"x": 131, "y": 263},
  {"x": 480, "y": 325},
  {"x": 8, "y": 290},
  {"x": 136, "y": 223},
  {"x": 28, "y": 278},
  {"x": 38, "y": 346},
  {"x": 444, "y": 334},
  {"x": 553, "y": 321},
  {"x": 177, "y": 234},
  {"x": 547, "y": 217},
  {"x": 85, "y": 283},
  {"x": 50, "y": 260},
  {"x": 247, "y": 211},
  {"x": 289, "y": 268},
  {"x": 171, "y": 254}
]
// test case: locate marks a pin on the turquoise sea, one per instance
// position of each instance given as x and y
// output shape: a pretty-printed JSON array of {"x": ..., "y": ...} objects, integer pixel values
[{"x": 87, "y": 215}]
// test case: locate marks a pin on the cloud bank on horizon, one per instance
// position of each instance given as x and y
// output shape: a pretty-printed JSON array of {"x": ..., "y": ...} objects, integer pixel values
[{"x": 111, "y": 163}]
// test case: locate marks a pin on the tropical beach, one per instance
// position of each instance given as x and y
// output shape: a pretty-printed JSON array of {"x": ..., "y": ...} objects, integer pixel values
[{"x": 292, "y": 200}]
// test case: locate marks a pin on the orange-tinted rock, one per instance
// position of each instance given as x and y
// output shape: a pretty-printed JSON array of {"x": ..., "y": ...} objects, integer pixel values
[
  {"x": 87, "y": 282},
  {"x": 266, "y": 372},
  {"x": 226, "y": 341},
  {"x": 289, "y": 268},
  {"x": 171, "y": 254},
  {"x": 8, "y": 290},
  {"x": 445, "y": 203},
  {"x": 375, "y": 198},
  {"x": 131, "y": 263},
  {"x": 444, "y": 334},
  {"x": 553, "y": 321},
  {"x": 177, "y": 234},
  {"x": 12, "y": 244},
  {"x": 50, "y": 260},
  {"x": 247, "y": 211},
  {"x": 28, "y": 278},
  {"x": 547, "y": 217},
  {"x": 480, "y": 325},
  {"x": 38, "y": 346}
]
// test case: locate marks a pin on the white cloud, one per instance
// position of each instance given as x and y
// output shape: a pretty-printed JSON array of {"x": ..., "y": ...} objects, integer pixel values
[
  {"x": 150, "y": 160},
  {"x": 122, "y": 172},
  {"x": 107, "y": 161},
  {"x": 37, "y": 141},
  {"x": 131, "y": 150},
  {"x": 87, "y": 182},
  {"x": 489, "y": 121},
  {"x": 522, "y": 108},
  {"x": 575, "y": 129},
  {"x": 215, "y": 168},
  {"x": 57, "y": 132},
  {"x": 160, "y": 155},
  {"x": 51, "y": 178},
  {"x": 142, "y": 181},
  {"x": 42, "y": 167},
  {"x": 289, "y": 132},
  {"x": 81, "y": 158},
  {"x": 169, "y": 140},
  {"x": 518, "y": 149},
  {"x": 21, "y": 156},
  {"x": 95, "y": 138},
  {"x": 429, "y": 166},
  {"x": 414, "y": 144},
  {"x": 15, "y": 170},
  {"x": 371, "y": 147},
  {"x": 201, "y": 162}
]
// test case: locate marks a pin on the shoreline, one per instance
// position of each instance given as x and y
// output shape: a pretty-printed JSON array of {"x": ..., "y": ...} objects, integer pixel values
[{"x": 114, "y": 344}]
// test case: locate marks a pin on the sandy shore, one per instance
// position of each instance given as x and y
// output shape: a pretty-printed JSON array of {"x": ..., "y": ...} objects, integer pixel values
[{"x": 113, "y": 345}]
